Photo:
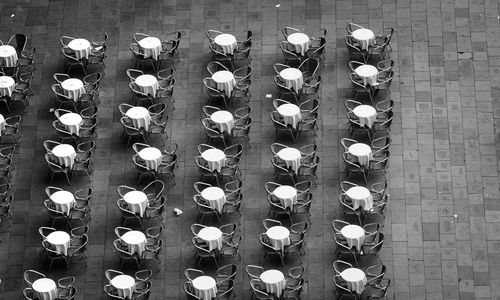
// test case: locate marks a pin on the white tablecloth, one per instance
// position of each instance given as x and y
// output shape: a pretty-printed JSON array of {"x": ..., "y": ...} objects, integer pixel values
[
  {"x": 274, "y": 280},
  {"x": 215, "y": 197},
  {"x": 290, "y": 113},
  {"x": 361, "y": 197},
  {"x": 73, "y": 88},
  {"x": 151, "y": 157},
  {"x": 354, "y": 234},
  {"x": 65, "y": 154},
  {"x": 300, "y": 41},
  {"x": 7, "y": 85},
  {"x": 2, "y": 124},
  {"x": 72, "y": 122},
  {"x": 291, "y": 157},
  {"x": 8, "y": 56},
  {"x": 205, "y": 287},
  {"x": 366, "y": 115},
  {"x": 124, "y": 284},
  {"x": 81, "y": 47},
  {"x": 60, "y": 241},
  {"x": 151, "y": 46},
  {"x": 225, "y": 81},
  {"x": 215, "y": 158},
  {"x": 63, "y": 200},
  {"x": 355, "y": 278},
  {"x": 224, "y": 121},
  {"x": 227, "y": 42},
  {"x": 368, "y": 73},
  {"x": 137, "y": 201},
  {"x": 287, "y": 195},
  {"x": 148, "y": 84},
  {"x": 140, "y": 117},
  {"x": 364, "y": 36},
  {"x": 279, "y": 237},
  {"x": 213, "y": 237},
  {"x": 45, "y": 288},
  {"x": 293, "y": 78},
  {"x": 135, "y": 240},
  {"x": 363, "y": 152}
]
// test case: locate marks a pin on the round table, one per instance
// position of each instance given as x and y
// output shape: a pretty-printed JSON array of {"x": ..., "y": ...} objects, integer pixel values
[
  {"x": 124, "y": 284},
  {"x": 279, "y": 237},
  {"x": 65, "y": 154},
  {"x": 7, "y": 85},
  {"x": 72, "y": 122},
  {"x": 45, "y": 288},
  {"x": 205, "y": 287},
  {"x": 213, "y": 237},
  {"x": 361, "y": 197},
  {"x": 81, "y": 47},
  {"x": 215, "y": 196},
  {"x": 151, "y": 157},
  {"x": 8, "y": 56},
  {"x": 224, "y": 121},
  {"x": 151, "y": 46},
  {"x": 73, "y": 88},
  {"x": 63, "y": 200},
  {"x": 140, "y": 117},
  {"x": 135, "y": 240},
  {"x": 137, "y": 201},
  {"x": 293, "y": 78},
  {"x": 355, "y": 278},
  {"x": 225, "y": 81},
  {"x": 291, "y": 157},
  {"x": 368, "y": 73},
  {"x": 60, "y": 240},
  {"x": 364, "y": 36},
  {"x": 148, "y": 84},
  {"x": 290, "y": 113},
  {"x": 287, "y": 195},
  {"x": 227, "y": 42},
  {"x": 366, "y": 115},
  {"x": 363, "y": 152},
  {"x": 274, "y": 280},
  {"x": 354, "y": 234},
  {"x": 300, "y": 41},
  {"x": 215, "y": 158}
]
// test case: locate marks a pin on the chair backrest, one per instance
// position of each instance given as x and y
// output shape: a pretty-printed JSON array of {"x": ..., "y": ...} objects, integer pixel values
[
  {"x": 110, "y": 274},
  {"x": 45, "y": 231},
  {"x": 215, "y": 66},
  {"x": 350, "y": 27},
  {"x": 60, "y": 77},
  {"x": 189, "y": 291},
  {"x": 254, "y": 271},
  {"x": 64, "y": 40},
  {"x": 278, "y": 67},
  {"x": 286, "y": 31},
  {"x": 49, "y": 145},
  {"x": 289, "y": 55},
  {"x": 31, "y": 276},
  {"x": 192, "y": 273},
  {"x": 309, "y": 67},
  {"x": 18, "y": 41},
  {"x": 119, "y": 231},
  {"x": 278, "y": 102},
  {"x": 209, "y": 110},
  {"x": 340, "y": 265}
]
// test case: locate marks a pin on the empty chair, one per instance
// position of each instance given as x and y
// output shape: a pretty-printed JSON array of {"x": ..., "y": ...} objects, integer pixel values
[{"x": 291, "y": 58}]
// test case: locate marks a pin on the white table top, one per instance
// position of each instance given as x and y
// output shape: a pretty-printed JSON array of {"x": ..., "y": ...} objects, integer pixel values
[
  {"x": 278, "y": 233},
  {"x": 44, "y": 285},
  {"x": 363, "y": 34},
  {"x": 352, "y": 231},
  {"x": 210, "y": 233},
  {"x": 212, "y": 193},
  {"x": 133, "y": 237},
  {"x": 58, "y": 238},
  {"x": 358, "y": 192},
  {"x": 366, "y": 70},
  {"x": 123, "y": 281},
  {"x": 288, "y": 110},
  {"x": 360, "y": 149},
  {"x": 150, "y": 42},
  {"x": 352, "y": 274},
  {"x": 213, "y": 155},
  {"x": 223, "y": 76},
  {"x": 221, "y": 116},
  {"x": 79, "y": 44},
  {"x": 150, "y": 153},
  {"x": 72, "y": 84},
  {"x": 7, "y": 51},
  {"x": 289, "y": 153},
  {"x": 285, "y": 191},
  {"x": 62, "y": 197},
  {"x": 290, "y": 74},
  {"x": 298, "y": 38},
  {"x": 6, "y": 81},
  {"x": 272, "y": 276},
  {"x": 71, "y": 119},
  {"x": 135, "y": 197},
  {"x": 146, "y": 80},
  {"x": 137, "y": 112},
  {"x": 364, "y": 111},
  {"x": 225, "y": 39},
  {"x": 63, "y": 150}
]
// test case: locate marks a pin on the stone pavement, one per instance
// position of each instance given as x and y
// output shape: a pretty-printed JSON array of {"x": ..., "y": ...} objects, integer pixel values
[{"x": 443, "y": 224}]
